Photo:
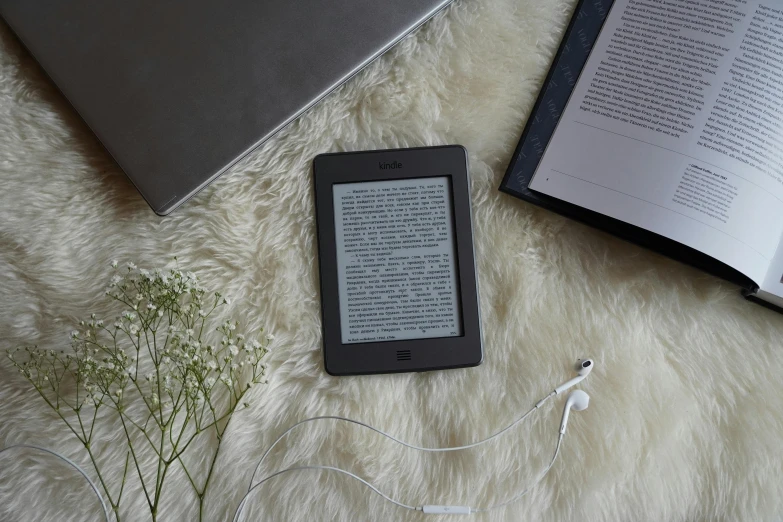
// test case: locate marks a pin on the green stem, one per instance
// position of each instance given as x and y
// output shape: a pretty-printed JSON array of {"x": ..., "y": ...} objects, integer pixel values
[
  {"x": 203, "y": 493},
  {"x": 158, "y": 476},
  {"x": 158, "y": 493},
  {"x": 86, "y": 445},
  {"x": 135, "y": 461},
  {"x": 219, "y": 433}
]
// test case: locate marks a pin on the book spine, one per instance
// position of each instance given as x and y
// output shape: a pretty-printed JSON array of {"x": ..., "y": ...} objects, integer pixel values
[{"x": 751, "y": 296}]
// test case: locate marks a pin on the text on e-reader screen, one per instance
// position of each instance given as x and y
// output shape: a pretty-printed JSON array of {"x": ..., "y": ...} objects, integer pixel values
[{"x": 396, "y": 267}]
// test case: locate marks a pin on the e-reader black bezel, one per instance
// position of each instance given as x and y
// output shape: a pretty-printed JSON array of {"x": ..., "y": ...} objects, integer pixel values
[{"x": 404, "y": 355}]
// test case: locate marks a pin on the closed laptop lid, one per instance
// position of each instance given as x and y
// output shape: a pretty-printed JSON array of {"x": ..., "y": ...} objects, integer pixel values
[{"x": 179, "y": 91}]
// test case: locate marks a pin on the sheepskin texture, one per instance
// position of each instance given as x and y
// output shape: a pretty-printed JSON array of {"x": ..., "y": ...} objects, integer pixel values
[{"x": 686, "y": 415}]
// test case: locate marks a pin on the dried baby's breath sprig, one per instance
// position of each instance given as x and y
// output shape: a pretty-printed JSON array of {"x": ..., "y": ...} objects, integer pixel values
[{"x": 163, "y": 368}]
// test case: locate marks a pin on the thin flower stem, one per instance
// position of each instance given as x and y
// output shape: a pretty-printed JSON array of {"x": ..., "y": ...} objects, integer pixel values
[
  {"x": 149, "y": 408},
  {"x": 136, "y": 462},
  {"x": 203, "y": 492},
  {"x": 86, "y": 445},
  {"x": 143, "y": 430},
  {"x": 92, "y": 424},
  {"x": 122, "y": 485},
  {"x": 178, "y": 454},
  {"x": 190, "y": 478},
  {"x": 193, "y": 386},
  {"x": 159, "y": 476},
  {"x": 175, "y": 403}
]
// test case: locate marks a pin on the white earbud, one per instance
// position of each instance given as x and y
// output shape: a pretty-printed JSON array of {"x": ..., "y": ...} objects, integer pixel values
[
  {"x": 583, "y": 369},
  {"x": 578, "y": 401}
]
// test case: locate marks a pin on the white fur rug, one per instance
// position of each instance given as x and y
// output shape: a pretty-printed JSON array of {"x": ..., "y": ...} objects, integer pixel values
[{"x": 686, "y": 418}]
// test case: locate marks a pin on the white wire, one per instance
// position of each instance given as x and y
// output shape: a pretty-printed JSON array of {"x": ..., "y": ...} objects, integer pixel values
[
  {"x": 252, "y": 487},
  {"x": 505, "y": 503},
  {"x": 238, "y": 512},
  {"x": 72, "y": 464},
  {"x": 398, "y": 441},
  {"x": 531, "y": 486}
]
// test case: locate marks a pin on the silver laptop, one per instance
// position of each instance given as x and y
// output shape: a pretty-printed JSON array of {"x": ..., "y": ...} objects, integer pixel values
[{"x": 179, "y": 91}]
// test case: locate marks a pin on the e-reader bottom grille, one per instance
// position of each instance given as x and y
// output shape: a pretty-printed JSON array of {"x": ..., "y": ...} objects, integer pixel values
[{"x": 403, "y": 355}]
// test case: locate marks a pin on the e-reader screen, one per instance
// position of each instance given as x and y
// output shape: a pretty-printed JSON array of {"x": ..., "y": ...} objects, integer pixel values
[{"x": 396, "y": 262}]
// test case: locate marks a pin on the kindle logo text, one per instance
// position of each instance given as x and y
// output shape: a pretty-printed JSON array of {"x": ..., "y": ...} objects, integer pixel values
[{"x": 385, "y": 166}]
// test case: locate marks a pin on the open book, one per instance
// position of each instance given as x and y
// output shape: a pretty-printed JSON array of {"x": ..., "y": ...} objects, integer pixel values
[{"x": 669, "y": 122}]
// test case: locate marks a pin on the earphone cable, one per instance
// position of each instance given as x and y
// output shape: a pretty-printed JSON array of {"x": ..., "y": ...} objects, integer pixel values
[
  {"x": 513, "y": 499},
  {"x": 324, "y": 468},
  {"x": 391, "y": 437},
  {"x": 531, "y": 486}
]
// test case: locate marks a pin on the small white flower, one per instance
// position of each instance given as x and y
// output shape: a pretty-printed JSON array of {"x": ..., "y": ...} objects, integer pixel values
[
  {"x": 189, "y": 332},
  {"x": 131, "y": 266},
  {"x": 151, "y": 306},
  {"x": 270, "y": 337},
  {"x": 210, "y": 381},
  {"x": 74, "y": 334},
  {"x": 160, "y": 313},
  {"x": 233, "y": 349},
  {"x": 212, "y": 365},
  {"x": 115, "y": 279},
  {"x": 202, "y": 313},
  {"x": 114, "y": 263}
]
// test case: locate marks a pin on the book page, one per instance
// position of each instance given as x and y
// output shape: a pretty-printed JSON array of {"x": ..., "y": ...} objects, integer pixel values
[
  {"x": 675, "y": 126},
  {"x": 396, "y": 260}
]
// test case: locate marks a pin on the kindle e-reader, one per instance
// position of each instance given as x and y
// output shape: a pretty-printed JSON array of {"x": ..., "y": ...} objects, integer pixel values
[{"x": 398, "y": 277}]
